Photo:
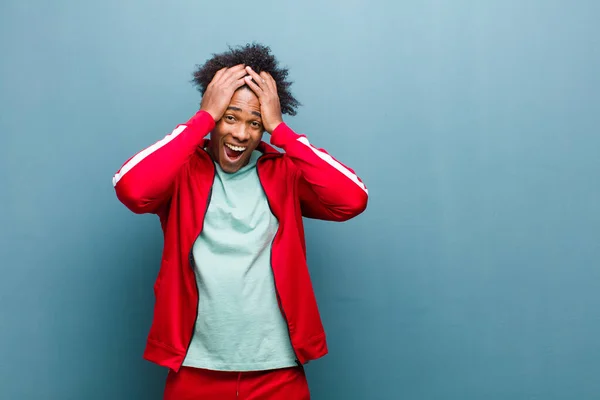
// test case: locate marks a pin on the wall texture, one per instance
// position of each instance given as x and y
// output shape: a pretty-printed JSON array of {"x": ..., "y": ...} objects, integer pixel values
[{"x": 475, "y": 272}]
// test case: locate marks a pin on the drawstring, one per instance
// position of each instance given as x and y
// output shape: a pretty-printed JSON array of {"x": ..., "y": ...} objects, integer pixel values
[{"x": 237, "y": 389}]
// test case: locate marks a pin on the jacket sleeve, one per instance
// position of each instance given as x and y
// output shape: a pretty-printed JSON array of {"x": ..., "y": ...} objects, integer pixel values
[
  {"x": 145, "y": 182},
  {"x": 328, "y": 189}
]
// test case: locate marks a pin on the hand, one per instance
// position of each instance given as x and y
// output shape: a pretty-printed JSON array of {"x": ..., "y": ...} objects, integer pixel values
[
  {"x": 220, "y": 90},
  {"x": 265, "y": 88}
]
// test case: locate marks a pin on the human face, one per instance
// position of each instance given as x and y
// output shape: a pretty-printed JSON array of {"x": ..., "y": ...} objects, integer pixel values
[{"x": 237, "y": 134}]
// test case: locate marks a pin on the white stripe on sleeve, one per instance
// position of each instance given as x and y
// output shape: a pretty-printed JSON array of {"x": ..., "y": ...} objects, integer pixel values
[
  {"x": 334, "y": 163},
  {"x": 146, "y": 152}
]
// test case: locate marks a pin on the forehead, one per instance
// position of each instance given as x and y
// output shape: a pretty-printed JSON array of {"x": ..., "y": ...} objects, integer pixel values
[{"x": 245, "y": 99}]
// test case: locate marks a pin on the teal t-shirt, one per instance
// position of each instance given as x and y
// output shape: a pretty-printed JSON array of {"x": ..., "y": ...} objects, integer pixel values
[{"x": 239, "y": 326}]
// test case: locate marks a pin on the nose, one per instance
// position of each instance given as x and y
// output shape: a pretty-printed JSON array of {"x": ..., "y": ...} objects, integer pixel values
[{"x": 241, "y": 133}]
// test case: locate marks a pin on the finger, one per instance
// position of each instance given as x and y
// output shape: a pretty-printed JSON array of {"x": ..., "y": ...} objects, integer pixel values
[
  {"x": 237, "y": 75},
  {"x": 236, "y": 68},
  {"x": 255, "y": 88},
  {"x": 218, "y": 75},
  {"x": 228, "y": 72},
  {"x": 256, "y": 77},
  {"x": 270, "y": 84},
  {"x": 221, "y": 72},
  {"x": 239, "y": 83},
  {"x": 268, "y": 78},
  {"x": 272, "y": 79}
]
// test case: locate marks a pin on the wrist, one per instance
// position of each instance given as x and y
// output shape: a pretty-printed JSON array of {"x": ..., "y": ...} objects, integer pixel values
[
  {"x": 275, "y": 125},
  {"x": 282, "y": 134},
  {"x": 202, "y": 118},
  {"x": 211, "y": 113}
]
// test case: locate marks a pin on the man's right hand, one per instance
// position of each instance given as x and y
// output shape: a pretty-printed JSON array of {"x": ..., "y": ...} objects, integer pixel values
[{"x": 220, "y": 90}]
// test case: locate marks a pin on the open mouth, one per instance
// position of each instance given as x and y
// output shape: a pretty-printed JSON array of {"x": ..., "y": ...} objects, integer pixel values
[{"x": 233, "y": 153}]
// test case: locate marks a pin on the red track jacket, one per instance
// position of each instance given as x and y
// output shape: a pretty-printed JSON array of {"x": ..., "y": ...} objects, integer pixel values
[{"x": 173, "y": 179}]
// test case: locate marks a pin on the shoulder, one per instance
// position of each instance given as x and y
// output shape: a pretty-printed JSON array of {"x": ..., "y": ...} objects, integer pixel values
[{"x": 277, "y": 164}]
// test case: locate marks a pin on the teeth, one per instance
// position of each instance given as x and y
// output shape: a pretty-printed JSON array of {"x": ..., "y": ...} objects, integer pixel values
[{"x": 235, "y": 148}]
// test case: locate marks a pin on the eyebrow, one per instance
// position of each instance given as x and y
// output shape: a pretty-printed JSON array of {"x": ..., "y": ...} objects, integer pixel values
[{"x": 240, "y": 110}]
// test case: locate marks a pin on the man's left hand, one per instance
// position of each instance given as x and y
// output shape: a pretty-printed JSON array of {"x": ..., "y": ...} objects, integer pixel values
[{"x": 265, "y": 88}]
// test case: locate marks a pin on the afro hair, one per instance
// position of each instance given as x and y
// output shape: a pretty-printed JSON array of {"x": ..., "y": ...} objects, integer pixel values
[{"x": 259, "y": 58}]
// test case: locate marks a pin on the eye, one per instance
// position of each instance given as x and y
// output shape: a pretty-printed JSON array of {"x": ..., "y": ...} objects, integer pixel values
[
  {"x": 256, "y": 124},
  {"x": 229, "y": 118}
]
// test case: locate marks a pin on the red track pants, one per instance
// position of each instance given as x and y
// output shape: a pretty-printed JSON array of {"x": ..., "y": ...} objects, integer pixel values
[{"x": 201, "y": 384}]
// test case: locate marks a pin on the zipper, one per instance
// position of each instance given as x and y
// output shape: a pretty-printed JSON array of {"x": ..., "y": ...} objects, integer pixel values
[
  {"x": 191, "y": 253},
  {"x": 271, "y": 263}
]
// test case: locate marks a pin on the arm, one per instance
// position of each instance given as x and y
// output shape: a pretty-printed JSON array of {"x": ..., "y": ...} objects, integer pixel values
[
  {"x": 328, "y": 189},
  {"x": 145, "y": 182}
]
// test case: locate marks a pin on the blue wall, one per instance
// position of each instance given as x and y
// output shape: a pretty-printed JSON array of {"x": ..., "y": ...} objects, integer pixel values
[{"x": 475, "y": 272}]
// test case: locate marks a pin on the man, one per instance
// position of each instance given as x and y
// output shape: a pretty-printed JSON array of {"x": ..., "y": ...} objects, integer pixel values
[{"x": 235, "y": 313}]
